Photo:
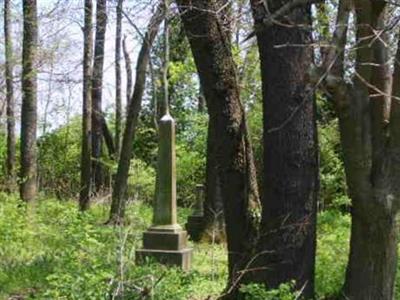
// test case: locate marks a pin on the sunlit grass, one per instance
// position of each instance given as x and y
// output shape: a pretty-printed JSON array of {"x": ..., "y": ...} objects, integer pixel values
[{"x": 57, "y": 253}]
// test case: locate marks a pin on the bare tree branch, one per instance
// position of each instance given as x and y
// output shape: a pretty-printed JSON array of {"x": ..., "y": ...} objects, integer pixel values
[{"x": 270, "y": 20}]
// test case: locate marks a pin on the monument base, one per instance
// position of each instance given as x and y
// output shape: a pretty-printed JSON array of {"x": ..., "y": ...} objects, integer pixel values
[
  {"x": 166, "y": 245},
  {"x": 195, "y": 227},
  {"x": 177, "y": 258}
]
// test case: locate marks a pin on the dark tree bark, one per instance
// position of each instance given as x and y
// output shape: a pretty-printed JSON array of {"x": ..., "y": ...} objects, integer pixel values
[
  {"x": 28, "y": 175},
  {"x": 118, "y": 97},
  {"x": 96, "y": 93},
  {"x": 213, "y": 213},
  {"x": 290, "y": 181},
  {"x": 128, "y": 69},
  {"x": 9, "y": 76},
  {"x": 371, "y": 147},
  {"x": 211, "y": 49},
  {"x": 135, "y": 104},
  {"x": 86, "y": 163},
  {"x": 371, "y": 160},
  {"x": 108, "y": 138},
  {"x": 213, "y": 204}
]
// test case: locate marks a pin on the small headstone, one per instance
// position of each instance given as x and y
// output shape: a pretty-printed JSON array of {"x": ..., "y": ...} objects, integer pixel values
[{"x": 195, "y": 223}]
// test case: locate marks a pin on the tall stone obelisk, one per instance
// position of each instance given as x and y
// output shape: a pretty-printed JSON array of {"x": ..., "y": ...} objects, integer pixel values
[{"x": 165, "y": 241}]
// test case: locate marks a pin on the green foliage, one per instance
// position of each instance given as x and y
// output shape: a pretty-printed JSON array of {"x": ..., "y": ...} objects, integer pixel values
[
  {"x": 255, "y": 123},
  {"x": 146, "y": 142},
  {"x": 332, "y": 252},
  {"x": 51, "y": 251},
  {"x": 141, "y": 181},
  {"x": 59, "y": 160},
  {"x": 251, "y": 96},
  {"x": 325, "y": 109},
  {"x": 250, "y": 76},
  {"x": 183, "y": 83},
  {"x": 191, "y": 158},
  {"x": 333, "y": 180},
  {"x": 254, "y": 291},
  {"x": 60, "y": 156}
]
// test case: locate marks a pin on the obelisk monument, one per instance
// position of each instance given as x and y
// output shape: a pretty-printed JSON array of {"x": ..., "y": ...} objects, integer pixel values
[{"x": 165, "y": 241}]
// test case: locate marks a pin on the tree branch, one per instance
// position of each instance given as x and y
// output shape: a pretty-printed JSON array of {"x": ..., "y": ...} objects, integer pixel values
[{"x": 270, "y": 20}]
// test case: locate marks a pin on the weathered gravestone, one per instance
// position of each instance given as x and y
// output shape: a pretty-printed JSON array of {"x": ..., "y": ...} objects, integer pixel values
[
  {"x": 165, "y": 241},
  {"x": 195, "y": 224}
]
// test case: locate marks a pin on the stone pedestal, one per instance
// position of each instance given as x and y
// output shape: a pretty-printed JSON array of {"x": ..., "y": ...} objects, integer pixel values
[
  {"x": 167, "y": 246},
  {"x": 165, "y": 241},
  {"x": 195, "y": 222}
]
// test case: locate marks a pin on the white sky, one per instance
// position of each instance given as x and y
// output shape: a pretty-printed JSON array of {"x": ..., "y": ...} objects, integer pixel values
[{"x": 60, "y": 53}]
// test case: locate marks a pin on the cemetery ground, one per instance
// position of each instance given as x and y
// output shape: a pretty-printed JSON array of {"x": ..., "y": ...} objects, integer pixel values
[{"x": 54, "y": 252}]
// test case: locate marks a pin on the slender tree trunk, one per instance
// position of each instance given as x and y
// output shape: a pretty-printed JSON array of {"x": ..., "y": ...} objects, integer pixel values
[
  {"x": 48, "y": 98},
  {"x": 118, "y": 97},
  {"x": 290, "y": 181},
  {"x": 119, "y": 192},
  {"x": 28, "y": 175},
  {"x": 211, "y": 49},
  {"x": 128, "y": 69},
  {"x": 96, "y": 93},
  {"x": 86, "y": 163},
  {"x": 108, "y": 138},
  {"x": 9, "y": 66}
]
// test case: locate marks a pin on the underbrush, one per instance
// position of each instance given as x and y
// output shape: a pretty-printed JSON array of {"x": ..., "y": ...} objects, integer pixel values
[{"x": 54, "y": 252}]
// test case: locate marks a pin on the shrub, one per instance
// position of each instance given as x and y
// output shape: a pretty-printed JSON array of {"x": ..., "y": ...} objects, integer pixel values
[
  {"x": 59, "y": 160},
  {"x": 332, "y": 252},
  {"x": 141, "y": 181},
  {"x": 333, "y": 180},
  {"x": 260, "y": 292},
  {"x": 191, "y": 158},
  {"x": 55, "y": 252}
]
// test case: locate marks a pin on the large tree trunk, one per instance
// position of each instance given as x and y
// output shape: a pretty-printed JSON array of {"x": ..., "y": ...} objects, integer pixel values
[
  {"x": 373, "y": 255},
  {"x": 213, "y": 204},
  {"x": 217, "y": 71},
  {"x": 290, "y": 181},
  {"x": 118, "y": 97},
  {"x": 28, "y": 175},
  {"x": 9, "y": 66},
  {"x": 371, "y": 149},
  {"x": 371, "y": 170},
  {"x": 135, "y": 104},
  {"x": 86, "y": 163},
  {"x": 97, "y": 86},
  {"x": 213, "y": 224}
]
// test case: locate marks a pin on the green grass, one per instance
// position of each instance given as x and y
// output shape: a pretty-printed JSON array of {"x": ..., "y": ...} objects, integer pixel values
[
  {"x": 332, "y": 253},
  {"x": 56, "y": 253}
]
